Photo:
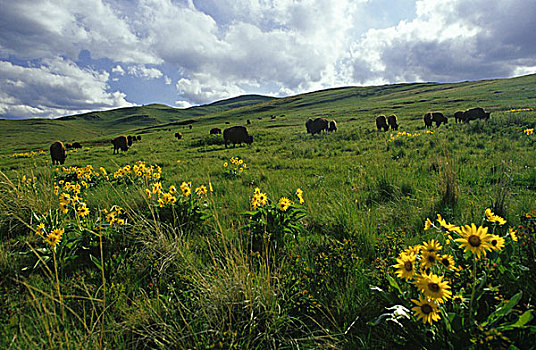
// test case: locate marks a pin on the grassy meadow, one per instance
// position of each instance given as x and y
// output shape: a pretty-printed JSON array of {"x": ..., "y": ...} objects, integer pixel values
[{"x": 295, "y": 241}]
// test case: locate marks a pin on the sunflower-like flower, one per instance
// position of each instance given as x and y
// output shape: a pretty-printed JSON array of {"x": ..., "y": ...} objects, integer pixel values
[
  {"x": 412, "y": 250},
  {"x": 447, "y": 261},
  {"x": 83, "y": 210},
  {"x": 40, "y": 229},
  {"x": 433, "y": 287},
  {"x": 476, "y": 240},
  {"x": 148, "y": 192},
  {"x": 497, "y": 242},
  {"x": 284, "y": 203},
  {"x": 428, "y": 259},
  {"x": 299, "y": 194},
  {"x": 427, "y": 224},
  {"x": 446, "y": 225},
  {"x": 201, "y": 190},
  {"x": 54, "y": 237},
  {"x": 512, "y": 234},
  {"x": 427, "y": 310},
  {"x": 172, "y": 189},
  {"x": 432, "y": 246},
  {"x": 186, "y": 188},
  {"x": 405, "y": 266},
  {"x": 494, "y": 218}
]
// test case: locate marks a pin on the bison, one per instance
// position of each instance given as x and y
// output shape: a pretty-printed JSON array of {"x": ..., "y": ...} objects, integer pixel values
[
  {"x": 57, "y": 152},
  {"x": 436, "y": 117},
  {"x": 392, "y": 121},
  {"x": 381, "y": 123},
  {"x": 215, "y": 131},
  {"x": 189, "y": 126},
  {"x": 237, "y": 134},
  {"x": 76, "y": 145},
  {"x": 458, "y": 117},
  {"x": 475, "y": 113},
  {"x": 129, "y": 140},
  {"x": 332, "y": 126},
  {"x": 317, "y": 125},
  {"x": 139, "y": 137},
  {"x": 68, "y": 146},
  {"x": 178, "y": 135},
  {"x": 248, "y": 122},
  {"x": 120, "y": 142}
]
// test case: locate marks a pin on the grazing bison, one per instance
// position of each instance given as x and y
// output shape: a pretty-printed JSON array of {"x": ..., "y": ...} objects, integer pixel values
[
  {"x": 248, "y": 122},
  {"x": 178, "y": 135},
  {"x": 392, "y": 121},
  {"x": 189, "y": 126},
  {"x": 57, "y": 152},
  {"x": 139, "y": 137},
  {"x": 436, "y": 117},
  {"x": 120, "y": 142},
  {"x": 215, "y": 131},
  {"x": 76, "y": 145},
  {"x": 237, "y": 134},
  {"x": 129, "y": 140},
  {"x": 317, "y": 125},
  {"x": 381, "y": 123},
  {"x": 475, "y": 113},
  {"x": 458, "y": 117},
  {"x": 332, "y": 126},
  {"x": 68, "y": 146}
]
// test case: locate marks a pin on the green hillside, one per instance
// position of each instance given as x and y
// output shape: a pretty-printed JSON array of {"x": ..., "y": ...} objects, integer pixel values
[{"x": 408, "y": 101}]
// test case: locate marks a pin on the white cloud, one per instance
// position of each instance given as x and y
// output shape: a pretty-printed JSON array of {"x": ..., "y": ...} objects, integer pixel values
[
  {"x": 203, "y": 88},
  {"x": 449, "y": 40},
  {"x": 141, "y": 71},
  {"x": 57, "y": 87},
  {"x": 118, "y": 70},
  {"x": 33, "y": 29}
]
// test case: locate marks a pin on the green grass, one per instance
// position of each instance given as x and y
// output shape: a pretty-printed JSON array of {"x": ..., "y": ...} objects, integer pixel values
[{"x": 367, "y": 194}]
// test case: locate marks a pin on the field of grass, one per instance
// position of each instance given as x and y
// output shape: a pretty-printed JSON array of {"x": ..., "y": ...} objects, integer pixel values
[{"x": 230, "y": 268}]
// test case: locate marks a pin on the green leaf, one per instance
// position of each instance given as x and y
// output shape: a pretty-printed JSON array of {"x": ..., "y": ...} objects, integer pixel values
[
  {"x": 96, "y": 261},
  {"x": 525, "y": 318},
  {"x": 393, "y": 283},
  {"x": 503, "y": 310}
]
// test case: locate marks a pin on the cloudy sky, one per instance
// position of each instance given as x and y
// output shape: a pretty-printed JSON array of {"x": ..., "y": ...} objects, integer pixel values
[{"x": 61, "y": 57}]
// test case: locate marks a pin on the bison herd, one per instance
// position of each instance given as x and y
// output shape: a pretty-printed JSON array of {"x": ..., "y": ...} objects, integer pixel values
[{"x": 239, "y": 134}]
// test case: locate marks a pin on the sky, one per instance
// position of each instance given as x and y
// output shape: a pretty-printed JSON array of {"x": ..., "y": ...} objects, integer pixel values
[{"x": 64, "y": 57}]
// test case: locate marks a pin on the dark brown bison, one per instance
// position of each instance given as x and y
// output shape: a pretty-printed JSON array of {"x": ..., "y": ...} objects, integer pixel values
[
  {"x": 120, "y": 142},
  {"x": 436, "y": 117},
  {"x": 332, "y": 126},
  {"x": 458, "y": 117},
  {"x": 76, "y": 145},
  {"x": 139, "y": 137},
  {"x": 178, "y": 135},
  {"x": 189, "y": 126},
  {"x": 237, "y": 134},
  {"x": 392, "y": 121},
  {"x": 381, "y": 123},
  {"x": 317, "y": 125},
  {"x": 215, "y": 131},
  {"x": 428, "y": 120},
  {"x": 129, "y": 140},
  {"x": 57, "y": 152},
  {"x": 475, "y": 113},
  {"x": 248, "y": 122},
  {"x": 68, "y": 146}
]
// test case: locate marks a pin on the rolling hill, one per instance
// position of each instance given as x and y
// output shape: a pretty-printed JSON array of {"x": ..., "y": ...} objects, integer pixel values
[{"x": 408, "y": 101}]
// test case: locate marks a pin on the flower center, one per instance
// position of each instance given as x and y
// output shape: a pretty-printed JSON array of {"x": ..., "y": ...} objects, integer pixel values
[
  {"x": 426, "y": 309},
  {"x": 445, "y": 262},
  {"x": 474, "y": 241},
  {"x": 431, "y": 258},
  {"x": 494, "y": 242},
  {"x": 408, "y": 266},
  {"x": 434, "y": 287}
]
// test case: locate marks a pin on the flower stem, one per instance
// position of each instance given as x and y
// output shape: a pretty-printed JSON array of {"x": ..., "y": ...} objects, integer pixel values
[{"x": 472, "y": 293}]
